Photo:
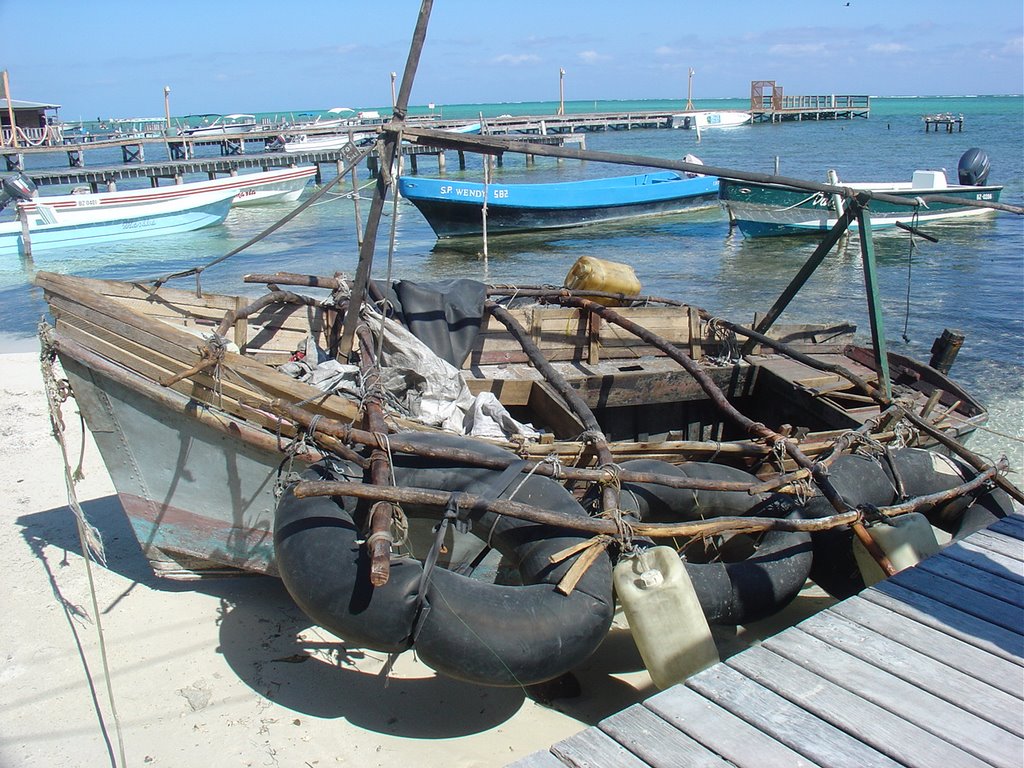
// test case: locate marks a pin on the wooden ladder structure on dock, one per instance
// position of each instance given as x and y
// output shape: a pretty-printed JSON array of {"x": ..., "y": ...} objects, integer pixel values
[{"x": 923, "y": 669}]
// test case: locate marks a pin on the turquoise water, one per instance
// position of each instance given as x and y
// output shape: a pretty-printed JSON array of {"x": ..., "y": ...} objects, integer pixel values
[{"x": 971, "y": 280}]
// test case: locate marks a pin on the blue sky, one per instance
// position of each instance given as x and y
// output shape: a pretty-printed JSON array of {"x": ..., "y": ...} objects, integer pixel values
[{"x": 114, "y": 58}]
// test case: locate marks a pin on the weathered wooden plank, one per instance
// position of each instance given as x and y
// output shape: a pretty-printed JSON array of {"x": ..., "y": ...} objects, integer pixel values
[
  {"x": 1011, "y": 525},
  {"x": 656, "y": 742},
  {"x": 553, "y": 412},
  {"x": 950, "y": 619},
  {"x": 723, "y": 732},
  {"x": 986, "y": 559},
  {"x": 971, "y": 601},
  {"x": 983, "y": 581},
  {"x": 904, "y": 700},
  {"x": 866, "y": 722},
  {"x": 934, "y": 643},
  {"x": 630, "y": 388},
  {"x": 137, "y": 291},
  {"x": 956, "y": 687},
  {"x": 794, "y": 726},
  {"x": 998, "y": 543},
  {"x": 593, "y": 748},
  {"x": 538, "y": 760}
]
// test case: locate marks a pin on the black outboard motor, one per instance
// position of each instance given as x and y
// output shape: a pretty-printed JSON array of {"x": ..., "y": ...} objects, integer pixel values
[
  {"x": 17, "y": 187},
  {"x": 973, "y": 168}
]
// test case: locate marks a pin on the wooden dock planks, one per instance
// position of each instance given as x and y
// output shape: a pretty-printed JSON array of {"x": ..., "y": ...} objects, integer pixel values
[{"x": 924, "y": 669}]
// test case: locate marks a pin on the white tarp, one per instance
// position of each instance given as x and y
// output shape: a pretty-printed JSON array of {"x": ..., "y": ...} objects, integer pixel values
[{"x": 420, "y": 385}]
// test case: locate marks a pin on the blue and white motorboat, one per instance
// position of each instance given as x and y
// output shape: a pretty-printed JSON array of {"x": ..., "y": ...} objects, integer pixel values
[{"x": 50, "y": 228}]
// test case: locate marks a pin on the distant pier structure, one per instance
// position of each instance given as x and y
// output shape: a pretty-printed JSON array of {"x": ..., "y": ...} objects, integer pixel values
[
  {"x": 769, "y": 104},
  {"x": 945, "y": 120}
]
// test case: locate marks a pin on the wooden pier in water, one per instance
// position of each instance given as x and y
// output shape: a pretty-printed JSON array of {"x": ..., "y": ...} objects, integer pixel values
[
  {"x": 231, "y": 159},
  {"x": 945, "y": 120},
  {"x": 924, "y": 669},
  {"x": 769, "y": 104},
  {"x": 237, "y": 151}
]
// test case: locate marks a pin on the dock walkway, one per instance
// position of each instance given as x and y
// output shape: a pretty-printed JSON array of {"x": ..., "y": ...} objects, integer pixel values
[{"x": 924, "y": 669}]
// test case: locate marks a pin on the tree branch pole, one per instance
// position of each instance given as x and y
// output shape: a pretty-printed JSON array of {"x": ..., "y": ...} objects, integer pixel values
[
  {"x": 272, "y": 297},
  {"x": 756, "y": 429},
  {"x": 391, "y": 147},
  {"x": 534, "y": 291},
  {"x": 596, "y": 525},
  {"x": 779, "y": 346},
  {"x": 801, "y": 277},
  {"x": 963, "y": 452},
  {"x": 345, "y": 433},
  {"x": 941, "y": 497},
  {"x": 609, "y": 493},
  {"x": 379, "y": 540}
]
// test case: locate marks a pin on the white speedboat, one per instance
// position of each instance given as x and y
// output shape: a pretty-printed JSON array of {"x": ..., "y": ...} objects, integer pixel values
[
  {"x": 303, "y": 142},
  {"x": 703, "y": 119},
  {"x": 219, "y": 125}
]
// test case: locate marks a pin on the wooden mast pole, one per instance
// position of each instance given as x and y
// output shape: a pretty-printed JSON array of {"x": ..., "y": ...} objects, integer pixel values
[
  {"x": 867, "y": 252},
  {"x": 391, "y": 146},
  {"x": 10, "y": 109}
]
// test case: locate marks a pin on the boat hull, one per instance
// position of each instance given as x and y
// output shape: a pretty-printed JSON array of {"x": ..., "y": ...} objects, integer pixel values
[
  {"x": 294, "y": 144},
  {"x": 761, "y": 210},
  {"x": 705, "y": 120},
  {"x": 275, "y": 186},
  {"x": 213, "y": 503},
  {"x": 454, "y": 208},
  {"x": 72, "y": 230}
]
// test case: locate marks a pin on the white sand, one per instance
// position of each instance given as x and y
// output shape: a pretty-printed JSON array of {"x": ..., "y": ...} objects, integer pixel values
[{"x": 224, "y": 672}]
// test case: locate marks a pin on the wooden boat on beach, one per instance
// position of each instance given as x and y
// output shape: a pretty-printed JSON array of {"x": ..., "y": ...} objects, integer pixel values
[
  {"x": 45, "y": 228},
  {"x": 195, "y": 407},
  {"x": 762, "y": 209},
  {"x": 455, "y": 208}
]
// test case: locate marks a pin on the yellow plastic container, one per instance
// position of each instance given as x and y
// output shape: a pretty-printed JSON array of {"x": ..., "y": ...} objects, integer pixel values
[
  {"x": 906, "y": 540},
  {"x": 593, "y": 274},
  {"x": 664, "y": 615}
]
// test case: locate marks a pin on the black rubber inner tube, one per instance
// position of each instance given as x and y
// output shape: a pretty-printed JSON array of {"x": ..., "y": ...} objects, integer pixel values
[
  {"x": 869, "y": 480},
  {"x": 481, "y": 632},
  {"x": 729, "y": 592}
]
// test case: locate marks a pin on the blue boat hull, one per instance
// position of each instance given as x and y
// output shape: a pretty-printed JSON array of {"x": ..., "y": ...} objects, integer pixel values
[{"x": 454, "y": 208}]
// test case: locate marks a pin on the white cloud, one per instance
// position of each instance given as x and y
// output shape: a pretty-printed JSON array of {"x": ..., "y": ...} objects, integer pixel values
[
  {"x": 887, "y": 48},
  {"x": 797, "y": 49},
  {"x": 1014, "y": 46},
  {"x": 516, "y": 58},
  {"x": 665, "y": 50},
  {"x": 591, "y": 57}
]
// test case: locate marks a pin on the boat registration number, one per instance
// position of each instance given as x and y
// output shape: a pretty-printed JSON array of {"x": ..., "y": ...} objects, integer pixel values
[{"x": 450, "y": 189}]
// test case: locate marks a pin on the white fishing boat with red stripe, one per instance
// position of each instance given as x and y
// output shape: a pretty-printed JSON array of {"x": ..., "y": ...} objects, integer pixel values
[{"x": 280, "y": 185}]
